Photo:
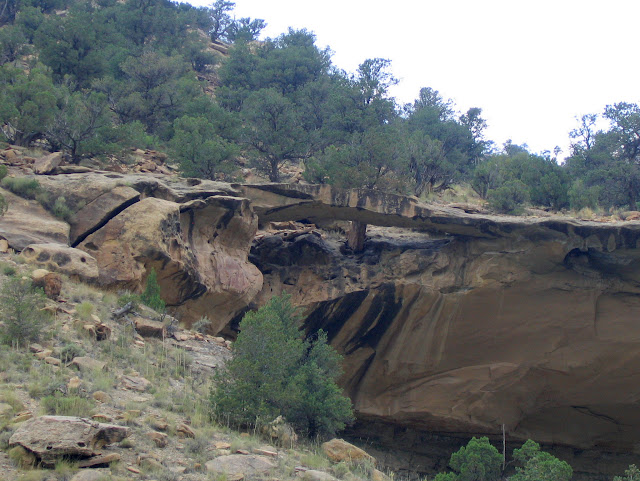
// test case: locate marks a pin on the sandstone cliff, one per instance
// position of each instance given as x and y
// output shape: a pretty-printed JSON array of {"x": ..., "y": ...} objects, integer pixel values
[
  {"x": 450, "y": 322},
  {"x": 475, "y": 321}
]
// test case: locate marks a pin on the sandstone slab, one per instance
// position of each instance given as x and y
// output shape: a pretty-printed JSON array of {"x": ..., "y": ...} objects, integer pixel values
[
  {"x": 97, "y": 212},
  {"x": 338, "y": 450},
  {"x": 100, "y": 460},
  {"x": 27, "y": 222},
  {"x": 149, "y": 328},
  {"x": 240, "y": 465},
  {"x": 91, "y": 475},
  {"x": 48, "y": 163},
  {"x": 199, "y": 250},
  {"x": 74, "y": 263},
  {"x": 85, "y": 363},
  {"x": 136, "y": 383},
  {"x": 315, "y": 475},
  {"x": 50, "y": 437}
]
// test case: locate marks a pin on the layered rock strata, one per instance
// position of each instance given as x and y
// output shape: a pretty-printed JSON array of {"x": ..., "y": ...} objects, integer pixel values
[
  {"x": 474, "y": 321},
  {"x": 449, "y": 321}
]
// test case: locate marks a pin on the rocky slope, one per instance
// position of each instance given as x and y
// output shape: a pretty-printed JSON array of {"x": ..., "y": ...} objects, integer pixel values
[
  {"x": 449, "y": 322},
  {"x": 118, "y": 395}
]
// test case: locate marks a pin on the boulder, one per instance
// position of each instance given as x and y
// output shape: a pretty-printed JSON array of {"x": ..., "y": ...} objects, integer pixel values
[
  {"x": 199, "y": 250},
  {"x": 185, "y": 431},
  {"x": 338, "y": 450},
  {"x": 76, "y": 264},
  {"x": 50, "y": 282},
  {"x": 54, "y": 361},
  {"x": 43, "y": 354},
  {"x": 314, "y": 475},
  {"x": 48, "y": 163},
  {"x": 160, "y": 439},
  {"x": 235, "y": 465},
  {"x": 87, "y": 364},
  {"x": 149, "y": 328},
  {"x": 100, "y": 460},
  {"x": 52, "y": 437},
  {"x": 22, "y": 416},
  {"x": 135, "y": 383},
  {"x": 92, "y": 475}
]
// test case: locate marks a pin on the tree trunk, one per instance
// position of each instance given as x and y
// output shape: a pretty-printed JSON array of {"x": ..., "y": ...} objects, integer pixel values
[
  {"x": 274, "y": 174},
  {"x": 356, "y": 236}
]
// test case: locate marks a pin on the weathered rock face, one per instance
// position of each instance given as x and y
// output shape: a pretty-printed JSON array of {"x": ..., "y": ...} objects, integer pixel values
[
  {"x": 26, "y": 222},
  {"x": 52, "y": 437},
  {"x": 75, "y": 263},
  {"x": 198, "y": 248},
  {"x": 528, "y": 323},
  {"x": 195, "y": 233},
  {"x": 449, "y": 321}
]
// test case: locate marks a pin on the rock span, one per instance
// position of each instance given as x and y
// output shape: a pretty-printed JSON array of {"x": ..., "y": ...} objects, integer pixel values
[{"x": 449, "y": 321}]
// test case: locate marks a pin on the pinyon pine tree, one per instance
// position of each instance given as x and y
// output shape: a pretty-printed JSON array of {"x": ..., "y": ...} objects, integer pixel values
[{"x": 275, "y": 372}]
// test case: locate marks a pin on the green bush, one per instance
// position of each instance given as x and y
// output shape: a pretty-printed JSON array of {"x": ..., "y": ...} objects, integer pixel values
[
  {"x": 58, "y": 208},
  {"x": 129, "y": 297},
  {"x": 4, "y": 205},
  {"x": 275, "y": 372},
  {"x": 510, "y": 198},
  {"x": 202, "y": 326},
  {"x": 4, "y": 170},
  {"x": 22, "y": 186},
  {"x": 69, "y": 351},
  {"x": 151, "y": 295},
  {"x": 61, "y": 210},
  {"x": 480, "y": 461},
  {"x": 85, "y": 310},
  {"x": 477, "y": 461},
  {"x": 631, "y": 474},
  {"x": 536, "y": 465},
  {"x": 581, "y": 196},
  {"x": 20, "y": 305},
  {"x": 8, "y": 270}
]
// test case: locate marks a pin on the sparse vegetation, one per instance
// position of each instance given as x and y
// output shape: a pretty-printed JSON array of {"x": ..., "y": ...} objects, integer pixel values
[
  {"x": 202, "y": 325},
  {"x": 61, "y": 210},
  {"x": 128, "y": 297},
  {"x": 22, "y": 186},
  {"x": 8, "y": 270},
  {"x": 69, "y": 351},
  {"x": 631, "y": 474},
  {"x": 151, "y": 295},
  {"x": 85, "y": 310},
  {"x": 65, "y": 405},
  {"x": 20, "y": 306},
  {"x": 4, "y": 205}
]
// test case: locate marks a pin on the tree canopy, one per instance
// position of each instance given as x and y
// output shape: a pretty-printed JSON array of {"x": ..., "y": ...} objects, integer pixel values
[
  {"x": 275, "y": 371},
  {"x": 93, "y": 78}
]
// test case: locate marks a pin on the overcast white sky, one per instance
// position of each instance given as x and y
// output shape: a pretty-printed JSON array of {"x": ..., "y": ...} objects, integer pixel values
[{"x": 531, "y": 66}]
